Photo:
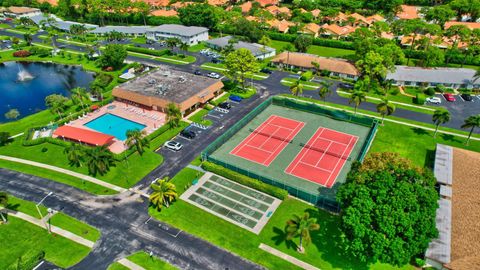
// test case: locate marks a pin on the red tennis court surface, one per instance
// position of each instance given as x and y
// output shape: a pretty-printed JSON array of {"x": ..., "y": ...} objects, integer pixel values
[
  {"x": 269, "y": 139},
  {"x": 323, "y": 157}
]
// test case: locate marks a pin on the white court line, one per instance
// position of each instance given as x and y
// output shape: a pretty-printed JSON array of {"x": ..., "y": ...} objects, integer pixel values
[
  {"x": 310, "y": 165},
  {"x": 270, "y": 137},
  {"x": 311, "y": 138},
  {"x": 247, "y": 140},
  {"x": 284, "y": 141},
  {"x": 340, "y": 159}
]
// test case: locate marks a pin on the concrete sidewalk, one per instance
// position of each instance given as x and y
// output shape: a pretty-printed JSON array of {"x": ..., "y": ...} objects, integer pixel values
[
  {"x": 129, "y": 264},
  {"x": 287, "y": 257},
  {"x": 75, "y": 238},
  {"x": 64, "y": 171}
]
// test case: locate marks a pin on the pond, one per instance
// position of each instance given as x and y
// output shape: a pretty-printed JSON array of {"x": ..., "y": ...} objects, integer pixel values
[{"x": 24, "y": 86}]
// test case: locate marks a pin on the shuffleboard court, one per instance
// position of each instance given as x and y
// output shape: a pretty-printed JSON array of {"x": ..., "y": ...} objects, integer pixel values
[
  {"x": 268, "y": 140},
  {"x": 323, "y": 157}
]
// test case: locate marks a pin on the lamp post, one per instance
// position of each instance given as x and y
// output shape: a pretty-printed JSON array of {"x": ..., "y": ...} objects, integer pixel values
[{"x": 40, "y": 212}]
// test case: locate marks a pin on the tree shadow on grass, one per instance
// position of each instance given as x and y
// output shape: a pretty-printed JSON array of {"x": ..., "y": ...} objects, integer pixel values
[
  {"x": 419, "y": 131},
  {"x": 281, "y": 236},
  {"x": 450, "y": 138},
  {"x": 327, "y": 240}
]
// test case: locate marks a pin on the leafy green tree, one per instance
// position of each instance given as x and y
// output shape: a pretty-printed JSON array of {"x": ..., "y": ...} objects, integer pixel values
[
  {"x": 4, "y": 138},
  {"x": 324, "y": 91},
  {"x": 75, "y": 154},
  {"x": 357, "y": 97},
  {"x": 439, "y": 14},
  {"x": 172, "y": 43},
  {"x": 301, "y": 227},
  {"x": 296, "y": 88},
  {"x": 12, "y": 114},
  {"x": 28, "y": 38},
  {"x": 415, "y": 28},
  {"x": 471, "y": 122},
  {"x": 3, "y": 204},
  {"x": 388, "y": 209},
  {"x": 56, "y": 103},
  {"x": 113, "y": 56},
  {"x": 385, "y": 107},
  {"x": 241, "y": 63},
  {"x": 174, "y": 115},
  {"x": 372, "y": 66},
  {"x": 464, "y": 7},
  {"x": 265, "y": 41},
  {"x": 439, "y": 117},
  {"x": 458, "y": 33},
  {"x": 164, "y": 193},
  {"x": 302, "y": 42},
  {"x": 137, "y": 139},
  {"x": 79, "y": 95},
  {"x": 99, "y": 160},
  {"x": 433, "y": 57},
  {"x": 199, "y": 15},
  {"x": 387, "y": 6}
]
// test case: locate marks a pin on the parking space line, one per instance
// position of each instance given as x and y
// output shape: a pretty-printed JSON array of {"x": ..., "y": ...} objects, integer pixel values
[{"x": 460, "y": 96}]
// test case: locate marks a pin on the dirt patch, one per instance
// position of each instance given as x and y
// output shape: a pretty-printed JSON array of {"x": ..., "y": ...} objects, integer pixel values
[{"x": 465, "y": 210}]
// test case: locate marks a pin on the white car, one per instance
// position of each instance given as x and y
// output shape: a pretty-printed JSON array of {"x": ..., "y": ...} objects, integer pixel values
[
  {"x": 173, "y": 145},
  {"x": 434, "y": 100},
  {"x": 213, "y": 75}
]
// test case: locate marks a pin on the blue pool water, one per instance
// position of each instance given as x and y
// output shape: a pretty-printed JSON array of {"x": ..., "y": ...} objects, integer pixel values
[{"x": 113, "y": 125}]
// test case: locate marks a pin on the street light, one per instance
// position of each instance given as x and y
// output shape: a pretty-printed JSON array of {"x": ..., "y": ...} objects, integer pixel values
[{"x": 48, "y": 210}]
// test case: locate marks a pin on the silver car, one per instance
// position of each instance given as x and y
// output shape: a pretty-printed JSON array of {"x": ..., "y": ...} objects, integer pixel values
[{"x": 173, "y": 145}]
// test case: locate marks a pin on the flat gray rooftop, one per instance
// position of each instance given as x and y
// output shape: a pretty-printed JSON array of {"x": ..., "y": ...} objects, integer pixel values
[
  {"x": 256, "y": 49},
  {"x": 434, "y": 75},
  {"x": 165, "y": 83}
]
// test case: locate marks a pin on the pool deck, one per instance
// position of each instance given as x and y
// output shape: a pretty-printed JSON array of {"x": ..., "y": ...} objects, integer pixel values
[{"x": 151, "y": 119}]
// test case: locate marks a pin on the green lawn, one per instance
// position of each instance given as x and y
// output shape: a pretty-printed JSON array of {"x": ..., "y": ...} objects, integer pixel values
[
  {"x": 150, "y": 263},
  {"x": 26, "y": 207},
  {"x": 220, "y": 99},
  {"x": 75, "y": 226},
  {"x": 279, "y": 45},
  {"x": 197, "y": 48},
  {"x": 22, "y": 239},
  {"x": 139, "y": 40},
  {"x": 117, "y": 266},
  {"x": 188, "y": 59},
  {"x": 243, "y": 93},
  {"x": 198, "y": 118},
  {"x": 330, "y": 52},
  {"x": 306, "y": 85},
  {"x": 4, "y": 26},
  {"x": 220, "y": 68}
]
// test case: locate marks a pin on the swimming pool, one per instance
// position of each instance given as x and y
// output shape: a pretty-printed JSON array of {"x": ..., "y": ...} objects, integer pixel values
[{"x": 113, "y": 125}]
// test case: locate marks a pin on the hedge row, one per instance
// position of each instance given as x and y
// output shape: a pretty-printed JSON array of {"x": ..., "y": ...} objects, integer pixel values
[
  {"x": 454, "y": 57},
  {"x": 147, "y": 51},
  {"x": 316, "y": 41},
  {"x": 27, "y": 263},
  {"x": 245, "y": 180}
]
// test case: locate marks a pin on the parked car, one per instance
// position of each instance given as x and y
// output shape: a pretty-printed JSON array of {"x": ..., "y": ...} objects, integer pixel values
[
  {"x": 225, "y": 105},
  {"x": 188, "y": 134},
  {"x": 266, "y": 71},
  {"x": 467, "y": 97},
  {"x": 213, "y": 75},
  {"x": 197, "y": 72},
  {"x": 449, "y": 97},
  {"x": 173, "y": 145},
  {"x": 434, "y": 100},
  {"x": 345, "y": 85},
  {"x": 235, "y": 98}
]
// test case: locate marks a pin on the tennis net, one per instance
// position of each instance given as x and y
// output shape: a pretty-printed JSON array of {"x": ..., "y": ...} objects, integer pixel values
[
  {"x": 346, "y": 157},
  {"x": 271, "y": 135}
]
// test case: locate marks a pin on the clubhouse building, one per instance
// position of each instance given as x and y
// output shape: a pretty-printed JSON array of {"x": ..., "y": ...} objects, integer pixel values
[
  {"x": 190, "y": 35},
  {"x": 157, "y": 89}
]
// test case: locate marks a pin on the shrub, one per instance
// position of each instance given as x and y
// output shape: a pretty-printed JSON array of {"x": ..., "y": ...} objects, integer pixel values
[
  {"x": 306, "y": 76},
  {"x": 42, "y": 52},
  {"x": 44, "y": 149},
  {"x": 419, "y": 99},
  {"x": 21, "y": 53},
  {"x": 103, "y": 80},
  {"x": 394, "y": 91},
  {"x": 440, "y": 88},
  {"x": 147, "y": 51},
  {"x": 429, "y": 91},
  {"x": 245, "y": 180}
]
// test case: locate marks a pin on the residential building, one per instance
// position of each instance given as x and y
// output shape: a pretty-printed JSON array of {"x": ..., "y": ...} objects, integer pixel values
[
  {"x": 264, "y": 3},
  {"x": 337, "y": 31},
  {"x": 217, "y": 2},
  {"x": 276, "y": 11},
  {"x": 316, "y": 13},
  {"x": 407, "y": 13},
  {"x": 41, "y": 21},
  {"x": 311, "y": 29},
  {"x": 246, "y": 7},
  {"x": 187, "y": 34},
  {"x": 164, "y": 13},
  {"x": 157, "y": 3},
  {"x": 281, "y": 26},
  {"x": 178, "y": 5},
  {"x": 258, "y": 50},
  {"x": 17, "y": 12},
  {"x": 470, "y": 25},
  {"x": 336, "y": 67},
  {"x": 157, "y": 89},
  {"x": 430, "y": 77},
  {"x": 126, "y": 30},
  {"x": 51, "y": 2}
]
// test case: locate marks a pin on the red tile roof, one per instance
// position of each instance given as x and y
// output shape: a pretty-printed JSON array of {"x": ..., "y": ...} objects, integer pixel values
[
  {"x": 470, "y": 25},
  {"x": 408, "y": 12},
  {"x": 83, "y": 135},
  {"x": 164, "y": 13}
]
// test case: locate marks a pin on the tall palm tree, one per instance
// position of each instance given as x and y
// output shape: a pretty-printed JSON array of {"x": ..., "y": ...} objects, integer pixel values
[
  {"x": 301, "y": 227},
  {"x": 173, "y": 115},
  {"x": 471, "y": 122},
  {"x": 357, "y": 98},
  {"x": 75, "y": 154},
  {"x": 476, "y": 76},
  {"x": 99, "y": 160},
  {"x": 164, "y": 193},
  {"x": 296, "y": 88},
  {"x": 440, "y": 117},
  {"x": 324, "y": 90},
  {"x": 79, "y": 94},
  {"x": 3, "y": 204},
  {"x": 28, "y": 38},
  {"x": 184, "y": 47},
  {"x": 385, "y": 107},
  {"x": 137, "y": 138},
  {"x": 172, "y": 43}
]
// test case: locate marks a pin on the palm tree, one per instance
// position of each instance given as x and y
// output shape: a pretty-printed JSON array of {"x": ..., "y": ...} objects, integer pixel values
[
  {"x": 385, "y": 107},
  {"x": 324, "y": 90},
  {"x": 357, "y": 98},
  {"x": 172, "y": 43},
  {"x": 79, "y": 94},
  {"x": 164, "y": 193},
  {"x": 173, "y": 115},
  {"x": 296, "y": 88},
  {"x": 137, "y": 138},
  {"x": 184, "y": 47},
  {"x": 440, "y": 117},
  {"x": 301, "y": 227},
  {"x": 471, "y": 122},
  {"x": 476, "y": 76},
  {"x": 316, "y": 68},
  {"x": 75, "y": 154},
  {"x": 3, "y": 204},
  {"x": 28, "y": 38},
  {"x": 99, "y": 160}
]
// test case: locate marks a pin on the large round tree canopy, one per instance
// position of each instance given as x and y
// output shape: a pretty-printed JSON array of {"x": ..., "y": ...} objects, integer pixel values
[{"x": 388, "y": 209}]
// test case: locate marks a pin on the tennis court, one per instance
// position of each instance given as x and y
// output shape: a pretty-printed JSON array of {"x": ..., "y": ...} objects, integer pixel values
[
  {"x": 264, "y": 144},
  {"x": 323, "y": 157}
]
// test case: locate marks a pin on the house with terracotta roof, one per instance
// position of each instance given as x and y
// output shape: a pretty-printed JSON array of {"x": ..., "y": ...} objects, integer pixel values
[
  {"x": 51, "y": 2},
  {"x": 337, "y": 31},
  {"x": 217, "y": 2},
  {"x": 178, "y": 5},
  {"x": 157, "y": 3},
  {"x": 407, "y": 13},
  {"x": 246, "y": 7},
  {"x": 164, "y": 13},
  {"x": 469, "y": 25},
  {"x": 17, "y": 12},
  {"x": 375, "y": 18},
  {"x": 281, "y": 26},
  {"x": 275, "y": 10},
  {"x": 316, "y": 13},
  {"x": 264, "y": 3},
  {"x": 339, "y": 18},
  {"x": 252, "y": 19},
  {"x": 311, "y": 29},
  {"x": 337, "y": 67},
  {"x": 359, "y": 19},
  {"x": 442, "y": 42}
]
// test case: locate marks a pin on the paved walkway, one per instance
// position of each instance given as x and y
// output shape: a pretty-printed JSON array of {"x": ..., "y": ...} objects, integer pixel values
[
  {"x": 129, "y": 264},
  {"x": 287, "y": 257},
  {"x": 64, "y": 171},
  {"x": 196, "y": 168},
  {"x": 54, "y": 229}
]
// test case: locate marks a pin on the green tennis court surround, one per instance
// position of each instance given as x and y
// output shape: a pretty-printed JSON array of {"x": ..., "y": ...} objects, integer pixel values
[{"x": 314, "y": 116}]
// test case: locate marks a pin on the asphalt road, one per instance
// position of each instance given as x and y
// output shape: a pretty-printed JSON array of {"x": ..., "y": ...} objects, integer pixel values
[{"x": 122, "y": 222}]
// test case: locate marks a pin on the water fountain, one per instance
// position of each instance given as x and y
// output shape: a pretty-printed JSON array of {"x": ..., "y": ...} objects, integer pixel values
[{"x": 24, "y": 75}]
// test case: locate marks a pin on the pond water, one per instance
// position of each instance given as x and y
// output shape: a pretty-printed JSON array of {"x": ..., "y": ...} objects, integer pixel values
[{"x": 24, "y": 86}]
